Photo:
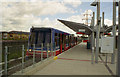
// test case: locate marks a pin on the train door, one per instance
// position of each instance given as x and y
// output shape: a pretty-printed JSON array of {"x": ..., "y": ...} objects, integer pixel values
[
  {"x": 60, "y": 42},
  {"x": 69, "y": 41},
  {"x": 63, "y": 42},
  {"x": 57, "y": 40}
]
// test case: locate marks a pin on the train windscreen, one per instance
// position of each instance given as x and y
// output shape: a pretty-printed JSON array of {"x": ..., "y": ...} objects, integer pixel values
[
  {"x": 40, "y": 37},
  {"x": 32, "y": 39}
]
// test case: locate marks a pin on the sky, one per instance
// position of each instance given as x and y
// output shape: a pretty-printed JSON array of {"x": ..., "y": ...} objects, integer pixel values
[{"x": 21, "y": 15}]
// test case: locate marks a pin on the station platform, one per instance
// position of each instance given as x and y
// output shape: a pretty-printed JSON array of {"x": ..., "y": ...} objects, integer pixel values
[{"x": 76, "y": 61}]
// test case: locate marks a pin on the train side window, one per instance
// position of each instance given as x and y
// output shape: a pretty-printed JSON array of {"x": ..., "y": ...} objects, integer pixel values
[{"x": 56, "y": 37}]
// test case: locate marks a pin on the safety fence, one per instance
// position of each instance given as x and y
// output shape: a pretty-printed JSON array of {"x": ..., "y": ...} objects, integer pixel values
[{"x": 17, "y": 58}]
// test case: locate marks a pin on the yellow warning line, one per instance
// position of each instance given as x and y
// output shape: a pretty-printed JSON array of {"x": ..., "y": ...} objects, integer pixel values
[{"x": 55, "y": 57}]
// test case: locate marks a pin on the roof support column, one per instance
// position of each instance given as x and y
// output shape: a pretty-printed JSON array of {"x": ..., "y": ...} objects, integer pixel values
[
  {"x": 97, "y": 31},
  {"x": 118, "y": 62},
  {"x": 114, "y": 32},
  {"x": 102, "y": 20},
  {"x": 0, "y": 55},
  {"x": 93, "y": 38}
]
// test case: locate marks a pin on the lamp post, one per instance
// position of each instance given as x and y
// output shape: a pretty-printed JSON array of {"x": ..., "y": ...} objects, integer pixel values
[{"x": 98, "y": 28}]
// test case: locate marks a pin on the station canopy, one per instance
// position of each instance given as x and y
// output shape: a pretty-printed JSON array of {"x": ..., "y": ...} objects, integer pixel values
[
  {"x": 77, "y": 26},
  {"x": 88, "y": 30},
  {"x": 109, "y": 29}
]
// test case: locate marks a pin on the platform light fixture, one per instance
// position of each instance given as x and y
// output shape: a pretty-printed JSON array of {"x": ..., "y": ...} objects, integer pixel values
[
  {"x": 117, "y": 4},
  {"x": 97, "y": 4},
  {"x": 94, "y": 3}
]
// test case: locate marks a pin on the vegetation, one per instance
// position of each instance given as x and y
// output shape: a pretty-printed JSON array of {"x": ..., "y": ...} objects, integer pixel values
[
  {"x": 14, "y": 49},
  {"x": 13, "y": 53},
  {"x": 16, "y": 39}
]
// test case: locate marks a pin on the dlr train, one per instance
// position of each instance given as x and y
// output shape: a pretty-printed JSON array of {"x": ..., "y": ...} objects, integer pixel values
[{"x": 43, "y": 40}]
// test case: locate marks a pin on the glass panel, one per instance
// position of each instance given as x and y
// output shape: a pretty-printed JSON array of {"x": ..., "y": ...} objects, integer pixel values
[
  {"x": 40, "y": 39},
  {"x": 47, "y": 37},
  {"x": 32, "y": 38}
]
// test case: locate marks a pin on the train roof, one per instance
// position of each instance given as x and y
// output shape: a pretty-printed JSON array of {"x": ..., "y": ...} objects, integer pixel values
[{"x": 48, "y": 28}]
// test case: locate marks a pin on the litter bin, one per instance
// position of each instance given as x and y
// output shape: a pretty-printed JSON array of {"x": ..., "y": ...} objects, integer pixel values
[{"x": 88, "y": 45}]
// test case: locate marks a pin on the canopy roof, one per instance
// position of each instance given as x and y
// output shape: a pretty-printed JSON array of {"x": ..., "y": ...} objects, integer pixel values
[
  {"x": 76, "y": 26},
  {"x": 109, "y": 29},
  {"x": 88, "y": 30}
]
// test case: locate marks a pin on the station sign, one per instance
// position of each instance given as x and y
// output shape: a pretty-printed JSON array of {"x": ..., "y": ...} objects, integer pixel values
[{"x": 81, "y": 30}]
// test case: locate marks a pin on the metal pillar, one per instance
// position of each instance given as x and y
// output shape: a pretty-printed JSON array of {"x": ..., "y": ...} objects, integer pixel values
[
  {"x": 22, "y": 58},
  {"x": 118, "y": 62},
  {"x": 114, "y": 31},
  {"x": 6, "y": 53},
  {"x": 93, "y": 40},
  {"x": 41, "y": 51},
  {"x": 55, "y": 49},
  {"x": 47, "y": 50},
  {"x": 102, "y": 23},
  {"x": 33, "y": 54},
  {"x": 51, "y": 52},
  {"x": 102, "y": 19},
  {"x": 97, "y": 31},
  {"x": 98, "y": 10},
  {"x": 93, "y": 29},
  {"x": 0, "y": 55}
]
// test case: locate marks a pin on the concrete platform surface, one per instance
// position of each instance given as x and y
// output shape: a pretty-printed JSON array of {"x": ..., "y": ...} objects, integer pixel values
[{"x": 75, "y": 61}]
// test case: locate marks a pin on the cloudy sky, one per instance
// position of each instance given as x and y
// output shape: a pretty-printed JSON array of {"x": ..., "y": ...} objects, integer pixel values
[{"x": 21, "y": 15}]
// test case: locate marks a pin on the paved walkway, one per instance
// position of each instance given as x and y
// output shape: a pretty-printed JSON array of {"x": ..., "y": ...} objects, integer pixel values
[{"x": 75, "y": 61}]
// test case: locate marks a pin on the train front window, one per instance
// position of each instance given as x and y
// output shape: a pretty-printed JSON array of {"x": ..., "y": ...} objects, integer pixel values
[
  {"x": 40, "y": 37},
  {"x": 32, "y": 38},
  {"x": 43, "y": 37},
  {"x": 47, "y": 37}
]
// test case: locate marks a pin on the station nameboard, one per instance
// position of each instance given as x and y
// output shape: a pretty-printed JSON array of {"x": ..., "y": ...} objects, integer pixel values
[{"x": 81, "y": 30}]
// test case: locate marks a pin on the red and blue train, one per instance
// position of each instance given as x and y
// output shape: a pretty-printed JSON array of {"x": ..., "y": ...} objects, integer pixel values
[{"x": 58, "y": 41}]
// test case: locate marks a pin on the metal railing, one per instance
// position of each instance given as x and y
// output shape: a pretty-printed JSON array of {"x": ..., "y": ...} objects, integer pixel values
[{"x": 22, "y": 61}]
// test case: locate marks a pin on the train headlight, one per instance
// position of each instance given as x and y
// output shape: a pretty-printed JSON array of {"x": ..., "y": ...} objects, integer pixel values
[{"x": 30, "y": 50}]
